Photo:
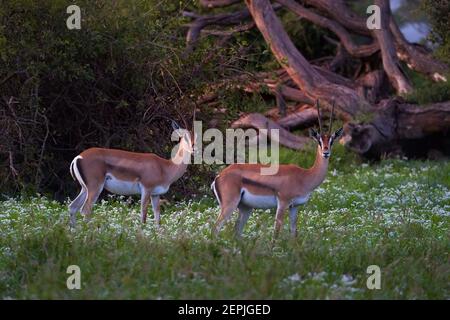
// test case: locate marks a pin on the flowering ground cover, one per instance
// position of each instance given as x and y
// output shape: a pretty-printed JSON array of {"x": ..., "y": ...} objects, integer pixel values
[{"x": 395, "y": 214}]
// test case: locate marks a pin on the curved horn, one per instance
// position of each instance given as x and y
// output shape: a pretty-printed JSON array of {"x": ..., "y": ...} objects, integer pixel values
[
  {"x": 319, "y": 116},
  {"x": 331, "y": 119},
  {"x": 182, "y": 118},
  {"x": 193, "y": 115}
]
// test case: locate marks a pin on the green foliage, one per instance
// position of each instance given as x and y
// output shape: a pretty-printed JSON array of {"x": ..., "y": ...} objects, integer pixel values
[
  {"x": 341, "y": 157},
  {"x": 236, "y": 103},
  {"x": 426, "y": 91},
  {"x": 394, "y": 215},
  {"x": 438, "y": 15},
  {"x": 308, "y": 37}
]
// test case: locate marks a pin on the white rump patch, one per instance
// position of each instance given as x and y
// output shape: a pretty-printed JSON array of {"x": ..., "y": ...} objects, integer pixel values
[{"x": 213, "y": 186}]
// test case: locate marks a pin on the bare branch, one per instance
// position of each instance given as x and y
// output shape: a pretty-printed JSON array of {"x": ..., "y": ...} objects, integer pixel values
[
  {"x": 11, "y": 165},
  {"x": 230, "y": 32},
  {"x": 217, "y": 3},
  {"x": 337, "y": 10},
  {"x": 345, "y": 38},
  {"x": 302, "y": 73},
  {"x": 411, "y": 54},
  {"x": 388, "y": 53},
  {"x": 222, "y": 19}
]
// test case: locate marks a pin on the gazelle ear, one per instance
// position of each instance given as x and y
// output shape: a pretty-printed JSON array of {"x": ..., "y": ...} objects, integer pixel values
[
  {"x": 338, "y": 133},
  {"x": 175, "y": 125},
  {"x": 313, "y": 134}
]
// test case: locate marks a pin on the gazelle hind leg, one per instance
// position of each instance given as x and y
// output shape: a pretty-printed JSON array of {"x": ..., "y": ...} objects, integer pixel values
[
  {"x": 145, "y": 199},
  {"x": 293, "y": 215},
  {"x": 228, "y": 205},
  {"x": 93, "y": 192},
  {"x": 244, "y": 215},
  {"x": 156, "y": 212},
  {"x": 228, "y": 192},
  {"x": 281, "y": 208},
  {"x": 76, "y": 205},
  {"x": 225, "y": 214}
]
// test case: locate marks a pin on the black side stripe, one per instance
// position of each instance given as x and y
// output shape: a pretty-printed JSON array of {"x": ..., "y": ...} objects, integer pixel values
[{"x": 258, "y": 184}]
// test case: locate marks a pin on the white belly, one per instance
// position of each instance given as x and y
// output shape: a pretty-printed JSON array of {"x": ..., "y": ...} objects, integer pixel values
[
  {"x": 268, "y": 201},
  {"x": 258, "y": 201},
  {"x": 158, "y": 190},
  {"x": 122, "y": 187},
  {"x": 300, "y": 200}
]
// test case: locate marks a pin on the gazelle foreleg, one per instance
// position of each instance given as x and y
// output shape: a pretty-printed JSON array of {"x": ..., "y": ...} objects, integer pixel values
[
  {"x": 156, "y": 212},
  {"x": 293, "y": 215},
  {"x": 244, "y": 214},
  {"x": 145, "y": 199},
  {"x": 281, "y": 209}
]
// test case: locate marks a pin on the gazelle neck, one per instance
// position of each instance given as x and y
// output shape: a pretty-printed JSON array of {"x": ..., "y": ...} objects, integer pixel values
[
  {"x": 180, "y": 161},
  {"x": 319, "y": 169}
]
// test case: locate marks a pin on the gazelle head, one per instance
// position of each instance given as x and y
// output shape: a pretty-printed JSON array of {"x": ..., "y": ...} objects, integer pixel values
[
  {"x": 325, "y": 140},
  {"x": 187, "y": 138}
]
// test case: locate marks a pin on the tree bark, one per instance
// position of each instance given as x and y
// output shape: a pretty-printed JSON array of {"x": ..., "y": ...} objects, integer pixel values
[
  {"x": 302, "y": 73},
  {"x": 413, "y": 55},
  {"x": 388, "y": 53},
  {"x": 395, "y": 126},
  {"x": 397, "y": 129},
  {"x": 343, "y": 35},
  {"x": 416, "y": 58},
  {"x": 201, "y": 22},
  {"x": 218, "y": 3},
  {"x": 302, "y": 118},
  {"x": 258, "y": 121}
]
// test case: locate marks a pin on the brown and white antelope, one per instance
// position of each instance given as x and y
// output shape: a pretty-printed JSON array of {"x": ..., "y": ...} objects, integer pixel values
[
  {"x": 128, "y": 173},
  {"x": 243, "y": 187}
]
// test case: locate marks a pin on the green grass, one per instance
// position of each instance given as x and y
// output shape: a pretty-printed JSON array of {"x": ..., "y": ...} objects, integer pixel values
[{"x": 394, "y": 215}]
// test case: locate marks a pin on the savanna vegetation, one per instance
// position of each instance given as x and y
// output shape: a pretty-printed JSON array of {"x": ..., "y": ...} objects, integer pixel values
[{"x": 393, "y": 215}]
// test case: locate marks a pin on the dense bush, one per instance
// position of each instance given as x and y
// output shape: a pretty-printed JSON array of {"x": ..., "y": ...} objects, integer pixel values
[
  {"x": 438, "y": 13},
  {"x": 113, "y": 83}
]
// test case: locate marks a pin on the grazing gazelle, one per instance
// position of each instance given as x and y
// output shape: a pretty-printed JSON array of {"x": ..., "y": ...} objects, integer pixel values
[
  {"x": 242, "y": 186},
  {"x": 127, "y": 173}
]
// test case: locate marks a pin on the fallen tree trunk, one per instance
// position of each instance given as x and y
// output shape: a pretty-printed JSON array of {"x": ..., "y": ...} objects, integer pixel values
[
  {"x": 401, "y": 129},
  {"x": 258, "y": 121},
  {"x": 301, "y": 119},
  {"x": 298, "y": 117},
  {"x": 397, "y": 129}
]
